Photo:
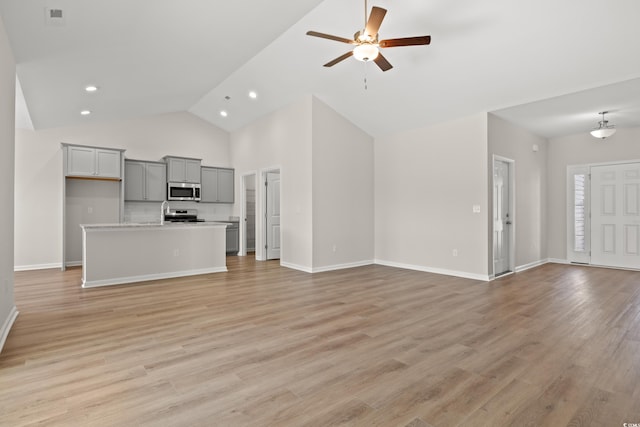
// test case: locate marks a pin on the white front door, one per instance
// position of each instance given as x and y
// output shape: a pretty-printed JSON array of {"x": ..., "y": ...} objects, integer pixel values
[
  {"x": 272, "y": 210},
  {"x": 615, "y": 215},
  {"x": 502, "y": 219}
]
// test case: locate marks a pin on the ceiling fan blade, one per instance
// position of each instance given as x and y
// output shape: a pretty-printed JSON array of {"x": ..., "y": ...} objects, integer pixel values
[
  {"x": 382, "y": 62},
  {"x": 375, "y": 20},
  {"x": 406, "y": 41},
  {"x": 330, "y": 37},
  {"x": 339, "y": 59}
]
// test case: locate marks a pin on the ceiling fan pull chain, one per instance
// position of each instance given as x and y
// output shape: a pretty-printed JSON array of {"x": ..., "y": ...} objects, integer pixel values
[{"x": 365, "y": 76}]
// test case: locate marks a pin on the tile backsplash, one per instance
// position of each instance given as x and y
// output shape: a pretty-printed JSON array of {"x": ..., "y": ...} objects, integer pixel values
[{"x": 135, "y": 212}]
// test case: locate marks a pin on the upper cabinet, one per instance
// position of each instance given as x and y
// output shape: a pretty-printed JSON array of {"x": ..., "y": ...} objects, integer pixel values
[
  {"x": 92, "y": 162},
  {"x": 183, "y": 169},
  {"x": 145, "y": 181},
  {"x": 217, "y": 185}
]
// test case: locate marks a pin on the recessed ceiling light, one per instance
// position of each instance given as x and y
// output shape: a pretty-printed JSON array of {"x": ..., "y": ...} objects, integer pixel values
[
  {"x": 223, "y": 113},
  {"x": 85, "y": 112},
  {"x": 91, "y": 88},
  {"x": 253, "y": 95}
]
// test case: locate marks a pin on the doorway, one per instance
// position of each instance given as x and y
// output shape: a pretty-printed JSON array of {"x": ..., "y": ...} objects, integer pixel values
[
  {"x": 603, "y": 214},
  {"x": 503, "y": 216},
  {"x": 248, "y": 214}
]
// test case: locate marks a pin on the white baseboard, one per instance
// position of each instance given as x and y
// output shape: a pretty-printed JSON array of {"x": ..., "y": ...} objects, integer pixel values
[
  {"x": 341, "y": 266},
  {"x": 558, "y": 261},
  {"x": 296, "y": 267},
  {"x": 37, "y": 266},
  {"x": 6, "y": 326},
  {"x": 531, "y": 265},
  {"x": 147, "y": 277},
  {"x": 463, "y": 274}
]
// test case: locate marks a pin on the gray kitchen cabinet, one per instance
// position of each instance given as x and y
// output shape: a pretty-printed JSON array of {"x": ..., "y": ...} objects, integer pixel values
[
  {"x": 145, "y": 181},
  {"x": 183, "y": 169},
  {"x": 217, "y": 185},
  {"x": 233, "y": 238},
  {"x": 92, "y": 162}
]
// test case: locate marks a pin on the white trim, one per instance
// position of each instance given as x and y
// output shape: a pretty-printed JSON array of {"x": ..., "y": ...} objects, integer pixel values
[
  {"x": 463, "y": 274},
  {"x": 261, "y": 199},
  {"x": 296, "y": 267},
  {"x": 73, "y": 264},
  {"x": 6, "y": 327},
  {"x": 147, "y": 277},
  {"x": 37, "y": 266},
  {"x": 512, "y": 210},
  {"x": 559, "y": 261},
  {"x": 342, "y": 266},
  {"x": 530, "y": 265}
]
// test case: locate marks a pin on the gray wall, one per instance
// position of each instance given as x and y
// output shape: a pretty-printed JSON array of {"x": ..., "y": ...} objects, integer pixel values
[
  {"x": 576, "y": 150},
  {"x": 342, "y": 185},
  {"x": 281, "y": 140},
  {"x": 510, "y": 141},
  {"x": 7, "y": 145},
  {"x": 427, "y": 181}
]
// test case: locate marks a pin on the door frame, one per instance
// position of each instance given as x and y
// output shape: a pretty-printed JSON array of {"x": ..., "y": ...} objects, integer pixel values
[
  {"x": 512, "y": 211},
  {"x": 243, "y": 210},
  {"x": 261, "y": 224},
  {"x": 569, "y": 205}
]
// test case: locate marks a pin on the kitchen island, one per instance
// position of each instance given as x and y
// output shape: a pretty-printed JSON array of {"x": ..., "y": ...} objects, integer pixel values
[{"x": 124, "y": 253}]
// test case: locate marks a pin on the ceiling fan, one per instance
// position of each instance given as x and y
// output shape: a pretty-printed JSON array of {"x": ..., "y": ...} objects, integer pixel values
[{"x": 367, "y": 47}]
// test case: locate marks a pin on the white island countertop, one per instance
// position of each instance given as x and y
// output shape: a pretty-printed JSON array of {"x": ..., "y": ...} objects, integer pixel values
[
  {"x": 167, "y": 225},
  {"x": 135, "y": 252}
]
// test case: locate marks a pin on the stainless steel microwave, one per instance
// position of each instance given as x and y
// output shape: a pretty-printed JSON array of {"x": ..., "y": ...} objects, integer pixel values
[{"x": 184, "y": 191}]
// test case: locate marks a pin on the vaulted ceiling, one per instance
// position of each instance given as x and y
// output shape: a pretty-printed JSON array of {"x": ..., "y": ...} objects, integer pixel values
[{"x": 549, "y": 66}]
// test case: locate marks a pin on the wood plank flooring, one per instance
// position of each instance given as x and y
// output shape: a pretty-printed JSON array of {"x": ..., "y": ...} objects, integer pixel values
[{"x": 263, "y": 345}]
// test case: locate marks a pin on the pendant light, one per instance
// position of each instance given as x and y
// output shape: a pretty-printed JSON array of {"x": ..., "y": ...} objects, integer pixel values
[{"x": 604, "y": 129}]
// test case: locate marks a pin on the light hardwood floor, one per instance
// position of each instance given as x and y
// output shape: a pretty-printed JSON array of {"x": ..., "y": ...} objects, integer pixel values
[{"x": 371, "y": 346}]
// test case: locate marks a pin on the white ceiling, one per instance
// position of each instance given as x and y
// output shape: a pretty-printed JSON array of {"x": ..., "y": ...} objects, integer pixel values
[{"x": 156, "y": 56}]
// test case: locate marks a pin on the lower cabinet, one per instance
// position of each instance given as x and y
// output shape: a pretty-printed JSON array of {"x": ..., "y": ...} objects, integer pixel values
[
  {"x": 145, "y": 181},
  {"x": 233, "y": 238},
  {"x": 217, "y": 185}
]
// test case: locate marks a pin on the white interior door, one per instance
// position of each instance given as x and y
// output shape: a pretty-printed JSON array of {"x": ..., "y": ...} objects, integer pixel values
[
  {"x": 502, "y": 220},
  {"x": 272, "y": 210},
  {"x": 615, "y": 215}
]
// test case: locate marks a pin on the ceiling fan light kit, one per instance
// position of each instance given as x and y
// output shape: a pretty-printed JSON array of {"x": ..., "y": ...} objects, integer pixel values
[
  {"x": 366, "y": 52},
  {"x": 604, "y": 129},
  {"x": 367, "y": 47}
]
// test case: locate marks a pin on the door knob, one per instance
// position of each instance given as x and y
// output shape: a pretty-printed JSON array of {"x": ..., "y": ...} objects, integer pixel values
[{"x": 508, "y": 222}]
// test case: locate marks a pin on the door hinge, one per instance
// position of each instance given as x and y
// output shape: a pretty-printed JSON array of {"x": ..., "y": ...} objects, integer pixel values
[
  {"x": 265, "y": 246},
  {"x": 266, "y": 183}
]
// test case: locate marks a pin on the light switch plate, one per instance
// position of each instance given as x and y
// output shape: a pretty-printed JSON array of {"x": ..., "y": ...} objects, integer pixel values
[{"x": 476, "y": 208}]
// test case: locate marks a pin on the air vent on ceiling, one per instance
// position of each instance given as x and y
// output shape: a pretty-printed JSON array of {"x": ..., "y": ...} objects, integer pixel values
[{"x": 54, "y": 17}]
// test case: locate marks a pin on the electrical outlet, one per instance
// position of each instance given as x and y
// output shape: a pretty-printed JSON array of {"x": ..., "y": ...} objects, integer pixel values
[
  {"x": 334, "y": 248},
  {"x": 176, "y": 252},
  {"x": 455, "y": 252},
  {"x": 90, "y": 209}
]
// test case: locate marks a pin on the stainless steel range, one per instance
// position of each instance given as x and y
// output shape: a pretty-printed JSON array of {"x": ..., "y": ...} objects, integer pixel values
[{"x": 182, "y": 215}]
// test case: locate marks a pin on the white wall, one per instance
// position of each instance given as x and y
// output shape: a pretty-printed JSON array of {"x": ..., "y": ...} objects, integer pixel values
[
  {"x": 576, "y": 150},
  {"x": 38, "y": 171},
  {"x": 343, "y": 207},
  {"x": 281, "y": 139},
  {"x": 426, "y": 183},
  {"x": 515, "y": 143},
  {"x": 7, "y": 126}
]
